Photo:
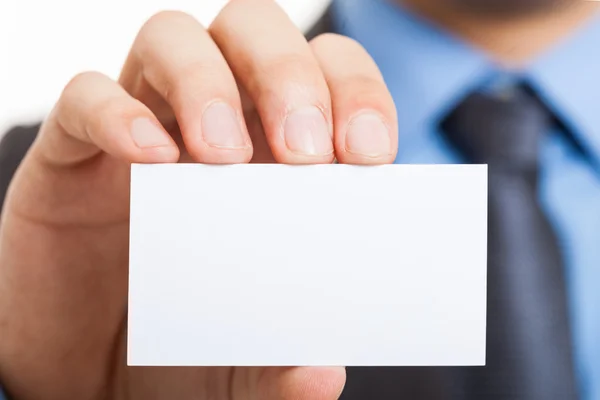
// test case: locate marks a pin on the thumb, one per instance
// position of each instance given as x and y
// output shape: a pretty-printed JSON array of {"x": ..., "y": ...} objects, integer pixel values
[{"x": 297, "y": 383}]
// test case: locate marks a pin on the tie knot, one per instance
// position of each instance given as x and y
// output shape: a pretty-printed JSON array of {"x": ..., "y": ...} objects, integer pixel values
[{"x": 502, "y": 131}]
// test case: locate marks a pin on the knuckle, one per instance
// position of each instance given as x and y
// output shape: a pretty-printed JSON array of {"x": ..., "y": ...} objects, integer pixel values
[
  {"x": 152, "y": 31},
  {"x": 94, "y": 119},
  {"x": 110, "y": 107},
  {"x": 364, "y": 84},
  {"x": 327, "y": 41},
  {"x": 233, "y": 10},
  {"x": 364, "y": 90},
  {"x": 103, "y": 112},
  {"x": 192, "y": 80},
  {"x": 288, "y": 69},
  {"x": 68, "y": 102},
  {"x": 78, "y": 82},
  {"x": 165, "y": 19},
  {"x": 290, "y": 64},
  {"x": 77, "y": 108},
  {"x": 99, "y": 118}
]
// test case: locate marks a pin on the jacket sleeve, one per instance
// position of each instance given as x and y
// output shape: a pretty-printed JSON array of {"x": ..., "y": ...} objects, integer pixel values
[{"x": 13, "y": 147}]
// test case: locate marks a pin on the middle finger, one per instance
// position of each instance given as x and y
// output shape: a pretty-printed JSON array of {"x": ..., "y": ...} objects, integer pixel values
[{"x": 274, "y": 63}]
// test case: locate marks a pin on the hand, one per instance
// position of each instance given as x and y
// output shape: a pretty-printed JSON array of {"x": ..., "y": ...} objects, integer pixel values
[{"x": 249, "y": 88}]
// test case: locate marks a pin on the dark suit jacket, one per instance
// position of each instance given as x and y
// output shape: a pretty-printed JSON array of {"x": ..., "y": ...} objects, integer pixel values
[{"x": 363, "y": 383}]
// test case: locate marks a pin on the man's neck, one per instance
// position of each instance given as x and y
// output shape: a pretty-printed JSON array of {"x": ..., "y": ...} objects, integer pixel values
[{"x": 511, "y": 41}]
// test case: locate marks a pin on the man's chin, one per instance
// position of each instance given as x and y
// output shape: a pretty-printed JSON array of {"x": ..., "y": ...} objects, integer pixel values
[{"x": 509, "y": 8}]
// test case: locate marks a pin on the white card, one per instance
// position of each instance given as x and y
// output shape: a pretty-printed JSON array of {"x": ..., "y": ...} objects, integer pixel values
[{"x": 275, "y": 265}]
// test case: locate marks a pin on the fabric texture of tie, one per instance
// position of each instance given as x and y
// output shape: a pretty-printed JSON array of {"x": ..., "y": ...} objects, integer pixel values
[{"x": 529, "y": 353}]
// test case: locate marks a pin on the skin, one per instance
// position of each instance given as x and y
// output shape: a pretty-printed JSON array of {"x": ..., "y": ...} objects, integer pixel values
[
  {"x": 511, "y": 32},
  {"x": 64, "y": 232},
  {"x": 64, "y": 228},
  {"x": 508, "y": 8}
]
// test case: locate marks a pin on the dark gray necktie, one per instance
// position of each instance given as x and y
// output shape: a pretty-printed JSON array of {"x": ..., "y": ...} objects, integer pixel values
[{"x": 528, "y": 340}]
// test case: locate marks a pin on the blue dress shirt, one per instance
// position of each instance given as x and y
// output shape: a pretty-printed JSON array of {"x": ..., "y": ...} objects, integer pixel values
[{"x": 429, "y": 70}]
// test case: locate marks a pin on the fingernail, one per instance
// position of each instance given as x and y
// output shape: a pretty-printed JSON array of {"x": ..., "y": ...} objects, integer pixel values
[
  {"x": 221, "y": 127},
  {"x": 307, "y": 132},
  {"x": 146, "y": 134},
  {"x": 368, "y": 136}
]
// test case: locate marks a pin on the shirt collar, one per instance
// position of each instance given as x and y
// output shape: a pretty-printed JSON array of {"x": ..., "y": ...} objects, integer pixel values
[
  {"x": 568, "y": 80},
  {"x": 424, "y": 67},
  {"x": 428, "y": 70}
]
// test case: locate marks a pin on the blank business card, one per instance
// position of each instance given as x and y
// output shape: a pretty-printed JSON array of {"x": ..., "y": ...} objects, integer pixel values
[{"x": 276, "y": 265}]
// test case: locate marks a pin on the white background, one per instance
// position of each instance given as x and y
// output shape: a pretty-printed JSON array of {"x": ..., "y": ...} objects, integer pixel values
[{"x": 43, "y": 43}]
